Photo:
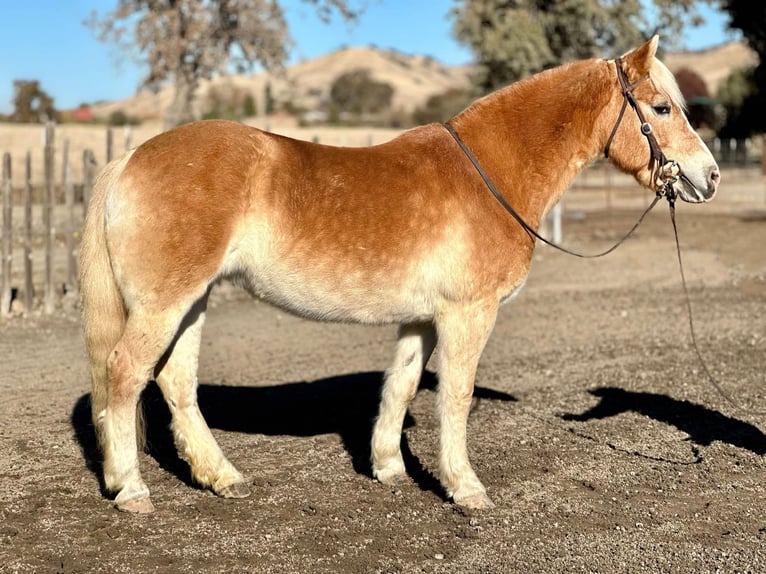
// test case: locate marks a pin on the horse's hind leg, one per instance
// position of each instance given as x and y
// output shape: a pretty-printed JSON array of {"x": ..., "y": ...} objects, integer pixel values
[
  {"x": 414, "y": 347},
  {"x": 130, "y": 366},
  {"x": 178, "y": 381}
]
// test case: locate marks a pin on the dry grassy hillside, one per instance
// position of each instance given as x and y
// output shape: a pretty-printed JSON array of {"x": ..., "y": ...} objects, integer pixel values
[
  {"x": 715, "y": 64},
  {"x": 414, "y": 78},
  {"x": 307, "y": 84}
]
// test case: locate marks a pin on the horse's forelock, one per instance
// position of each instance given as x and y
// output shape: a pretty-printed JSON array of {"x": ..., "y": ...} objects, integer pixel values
[{"x": 665, "y": 81}]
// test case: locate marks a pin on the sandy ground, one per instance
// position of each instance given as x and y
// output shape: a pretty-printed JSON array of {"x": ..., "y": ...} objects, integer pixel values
[{"x": 595, "y": 428}]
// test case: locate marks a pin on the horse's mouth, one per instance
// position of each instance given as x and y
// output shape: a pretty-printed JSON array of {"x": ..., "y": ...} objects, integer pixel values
[{"x": 690, "y": 193}]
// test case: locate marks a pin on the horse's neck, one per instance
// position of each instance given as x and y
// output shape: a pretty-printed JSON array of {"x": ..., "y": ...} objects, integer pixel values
[{"x": 533, "y": 137}]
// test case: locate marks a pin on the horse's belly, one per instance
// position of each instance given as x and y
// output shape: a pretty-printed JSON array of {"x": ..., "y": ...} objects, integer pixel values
[
  {"x": 336, "y": 289},
  {"x": 359, "y": 299}
]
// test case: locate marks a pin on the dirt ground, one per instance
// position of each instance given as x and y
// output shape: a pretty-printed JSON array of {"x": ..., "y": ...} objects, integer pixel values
[{"x": 595, "y": 429}]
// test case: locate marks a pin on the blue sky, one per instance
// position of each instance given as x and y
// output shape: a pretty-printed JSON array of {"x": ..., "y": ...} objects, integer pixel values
[{"x": 46, "y": 40}]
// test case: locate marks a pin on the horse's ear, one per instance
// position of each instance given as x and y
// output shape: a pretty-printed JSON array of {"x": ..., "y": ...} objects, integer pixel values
[{"x": 638, "y": 61}]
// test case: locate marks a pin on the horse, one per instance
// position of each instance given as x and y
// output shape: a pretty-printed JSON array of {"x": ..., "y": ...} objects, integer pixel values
[{"x": 404, "y": 233}]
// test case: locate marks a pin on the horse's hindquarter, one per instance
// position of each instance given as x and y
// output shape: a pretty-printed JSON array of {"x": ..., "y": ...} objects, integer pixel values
[{"x": 173, "y": 210}]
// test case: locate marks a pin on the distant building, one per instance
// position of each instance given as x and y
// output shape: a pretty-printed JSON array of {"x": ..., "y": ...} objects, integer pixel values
[{"x": 82, "y": 114}]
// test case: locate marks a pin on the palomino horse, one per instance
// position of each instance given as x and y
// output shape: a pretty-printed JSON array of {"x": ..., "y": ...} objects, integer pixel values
[{"x": 404, "y": 232}]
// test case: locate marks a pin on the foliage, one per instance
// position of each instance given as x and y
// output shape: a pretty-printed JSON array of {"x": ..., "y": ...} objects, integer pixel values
[
  {"x": 269, "y": 103},
  {"x": 748, "y": 17},
  {"x": 229, "y": 102},
  {"x": 120, "y": 118},
  {"x": 737, "y": 95},
  {"x": 184, "y": 41},
  {"x": 512, "y": 39},
  {"x": 441, "y": 107},
  {"x": 31, "y": 104},
  {"x": 358, "y": 94}
]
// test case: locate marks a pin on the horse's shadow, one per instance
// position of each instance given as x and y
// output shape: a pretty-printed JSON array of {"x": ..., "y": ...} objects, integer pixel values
[
  {"x": 703, "y": 425},
  {"x": 344, "y": 404}
]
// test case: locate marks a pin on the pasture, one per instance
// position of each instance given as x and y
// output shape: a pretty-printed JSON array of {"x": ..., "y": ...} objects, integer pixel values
[{"x": 594, "y": 427}]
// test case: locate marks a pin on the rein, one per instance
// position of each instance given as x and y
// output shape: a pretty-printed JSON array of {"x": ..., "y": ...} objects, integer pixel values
[
  {"x": 528, "y": 228},
  {"x": 711, "y": 379}
]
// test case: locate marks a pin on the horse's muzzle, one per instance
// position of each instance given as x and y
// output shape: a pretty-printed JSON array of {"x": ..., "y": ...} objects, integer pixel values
[{"x": 691, "y": 193}]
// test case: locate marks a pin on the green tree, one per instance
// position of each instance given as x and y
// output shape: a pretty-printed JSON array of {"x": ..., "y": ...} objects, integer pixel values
[
  {"x": 749, "y": 86},
  {"x": 512, "y": 39},
  {"x": 31, "y": 104},
  {"x": 269, "y": 104},
  {"x": 249, "y": 109},
  {"x": 738, "y": 96},
  {"x": 228, "y": 101},
  {"x": 441, "y": 107},
  {"x": 183, "y": 41},
  {"x": 357, "y": 93}
]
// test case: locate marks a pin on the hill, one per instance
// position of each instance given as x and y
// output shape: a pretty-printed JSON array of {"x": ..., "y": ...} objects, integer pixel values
[
  {"x": 414, "y": 78},
  {"x": 714, "y": 64},
  {"x": 306, "y": 84}
]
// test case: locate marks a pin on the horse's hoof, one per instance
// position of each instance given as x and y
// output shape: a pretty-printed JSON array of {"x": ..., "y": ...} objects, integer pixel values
[
  {"x": 142, "y": 505},
  {"x": 476, "y": 502},
  {"x": 400, "y": 479},
  {"x": 236, "y": 490}
]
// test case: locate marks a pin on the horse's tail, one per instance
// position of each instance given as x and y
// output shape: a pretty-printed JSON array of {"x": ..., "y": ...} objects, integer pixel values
[{"x": 103, "y": 309}]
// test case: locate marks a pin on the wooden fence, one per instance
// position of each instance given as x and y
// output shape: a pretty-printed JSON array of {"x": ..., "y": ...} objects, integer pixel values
[{"x": 51, "y": 217}]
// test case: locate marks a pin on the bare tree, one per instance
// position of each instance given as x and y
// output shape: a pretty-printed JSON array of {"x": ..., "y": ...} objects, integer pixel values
[{"x": 184, "y": 41}]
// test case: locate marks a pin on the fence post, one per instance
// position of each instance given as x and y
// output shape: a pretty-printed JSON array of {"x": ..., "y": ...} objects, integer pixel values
[
  {"x": 127, "y": 131},
  {"x": 109, "y": 137},
  {"x": 48, "y": 215},
  {"x": 5, "y": 289},
  {"x": 88, "y": 175},
  {"x": 557, "y": 234},
  {"x": 29, "y": 290},
  {"x": 71, "y": 284}
]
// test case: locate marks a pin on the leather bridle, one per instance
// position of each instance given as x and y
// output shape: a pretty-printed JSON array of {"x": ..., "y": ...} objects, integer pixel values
[{"x": 664, "y": 172}]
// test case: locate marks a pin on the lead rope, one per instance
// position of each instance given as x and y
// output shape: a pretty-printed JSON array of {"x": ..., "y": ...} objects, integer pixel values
[
  {"x": 715, "y": 384},
  {"x": 528, "y": 228}
]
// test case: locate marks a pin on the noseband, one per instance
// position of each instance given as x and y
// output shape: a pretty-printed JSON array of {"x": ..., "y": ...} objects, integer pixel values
[{"x": 665, "y": 172}]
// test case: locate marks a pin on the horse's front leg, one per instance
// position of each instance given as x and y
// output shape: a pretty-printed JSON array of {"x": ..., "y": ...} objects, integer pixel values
[
  {"x": 463, "y": 330},
  {"x": 413, "y": 349}
]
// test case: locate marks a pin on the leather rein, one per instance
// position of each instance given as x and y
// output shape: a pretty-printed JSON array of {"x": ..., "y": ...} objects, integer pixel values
[{"x": 664, "y": 172}]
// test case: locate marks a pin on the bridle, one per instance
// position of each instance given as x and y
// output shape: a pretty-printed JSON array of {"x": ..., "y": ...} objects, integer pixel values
[{"x": 664, "y": 172}]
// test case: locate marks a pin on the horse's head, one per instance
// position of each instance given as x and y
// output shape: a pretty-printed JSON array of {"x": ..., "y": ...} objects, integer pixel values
[{"x": 651, "y": 138}]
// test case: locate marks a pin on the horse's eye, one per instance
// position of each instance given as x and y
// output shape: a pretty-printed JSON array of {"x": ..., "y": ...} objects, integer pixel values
[{"x": 662, "y": 109}]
